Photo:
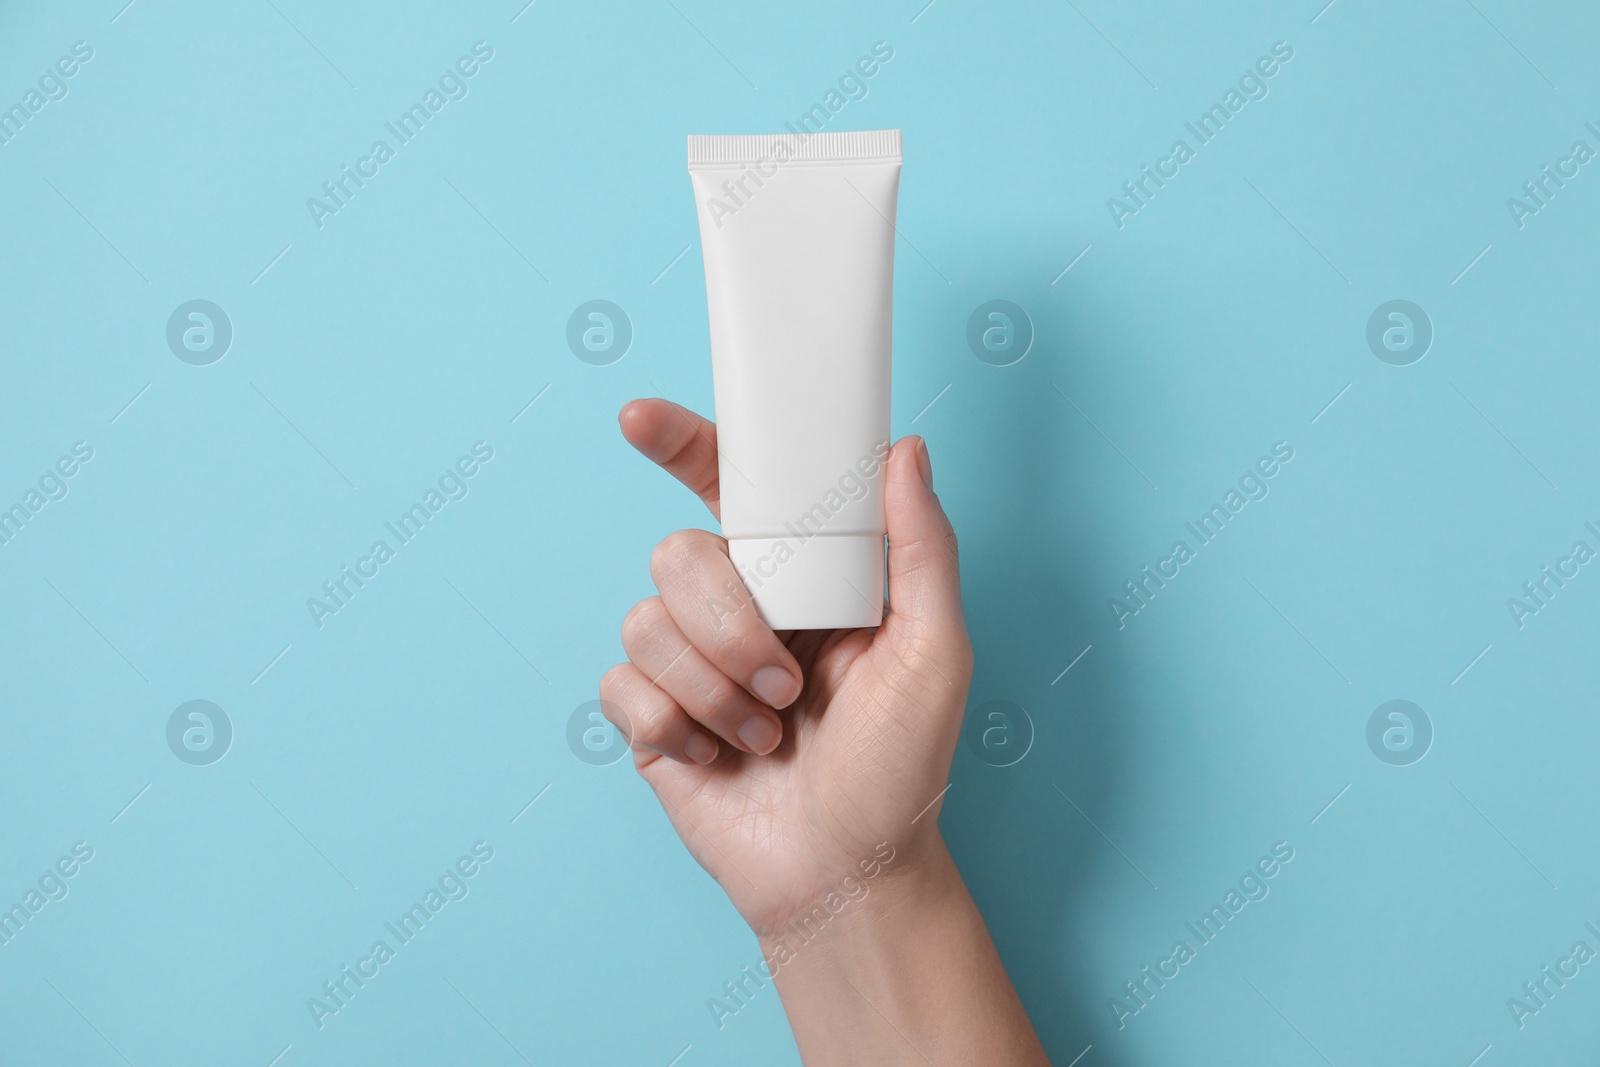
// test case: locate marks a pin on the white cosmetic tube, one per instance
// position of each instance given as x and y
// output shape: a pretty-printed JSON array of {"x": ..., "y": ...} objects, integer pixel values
[{"x": 797, "y": 232}]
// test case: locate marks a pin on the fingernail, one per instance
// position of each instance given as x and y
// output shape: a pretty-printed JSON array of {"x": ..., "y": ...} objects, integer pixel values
[
  {"x": 760, "y": 734},
  {"x": 924, "y": 463},
  {"x": 700, "y": 748},
  {"x": 774, "y": 685}
]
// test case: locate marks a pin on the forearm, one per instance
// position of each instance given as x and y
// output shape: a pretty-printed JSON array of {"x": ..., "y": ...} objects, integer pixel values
[{"x": 910, "y": 975}]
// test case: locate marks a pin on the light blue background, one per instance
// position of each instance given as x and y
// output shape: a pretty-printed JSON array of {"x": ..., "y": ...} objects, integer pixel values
[{"x": 425, "y": 716}]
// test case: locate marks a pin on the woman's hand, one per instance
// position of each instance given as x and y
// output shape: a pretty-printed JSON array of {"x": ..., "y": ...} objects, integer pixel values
[
  {"x": 781, "y": 808},
  {"x": 805, "y": 771}
]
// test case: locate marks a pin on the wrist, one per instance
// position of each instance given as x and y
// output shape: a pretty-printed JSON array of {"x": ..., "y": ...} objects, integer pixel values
[
  {"x": 905, "y": 970},
  {"x": 890, "y": 879},
  {"x": 866, "y": 932}
]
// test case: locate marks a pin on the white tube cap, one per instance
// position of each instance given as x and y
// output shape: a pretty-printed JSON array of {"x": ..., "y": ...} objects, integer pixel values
[{"x": 821, "y": 583}]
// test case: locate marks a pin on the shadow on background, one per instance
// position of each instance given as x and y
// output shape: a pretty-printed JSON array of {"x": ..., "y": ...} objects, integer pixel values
[{"x": 1021, "y": 495}]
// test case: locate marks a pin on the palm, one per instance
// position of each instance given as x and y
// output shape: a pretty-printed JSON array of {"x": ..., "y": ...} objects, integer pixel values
[{"x": 779, "y": 831}]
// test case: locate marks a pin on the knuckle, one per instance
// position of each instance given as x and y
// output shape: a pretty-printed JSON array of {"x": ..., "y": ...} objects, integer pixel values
[
  {"x": 645, "y": 727},
  {"x": 617, "y": 714},
  {"x": 612, "y": 684},
  {"x": 676, "y": 552},
  {"x": 640, "y": 620}
]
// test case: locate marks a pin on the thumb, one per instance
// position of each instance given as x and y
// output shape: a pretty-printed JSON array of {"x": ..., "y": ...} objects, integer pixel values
[{"x": 924, "y": 576}]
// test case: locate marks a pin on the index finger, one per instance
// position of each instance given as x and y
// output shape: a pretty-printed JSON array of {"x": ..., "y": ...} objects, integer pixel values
[{"x": 683, "y": 443}]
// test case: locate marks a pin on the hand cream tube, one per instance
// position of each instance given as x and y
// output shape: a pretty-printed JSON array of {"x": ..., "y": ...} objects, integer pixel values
[{"x": 797, "y": 233}]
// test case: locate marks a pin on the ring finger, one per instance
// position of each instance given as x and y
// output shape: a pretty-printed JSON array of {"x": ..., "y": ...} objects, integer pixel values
[
  {"x": 658, "y": 647},
  {"x": 652, "y": 720}
]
